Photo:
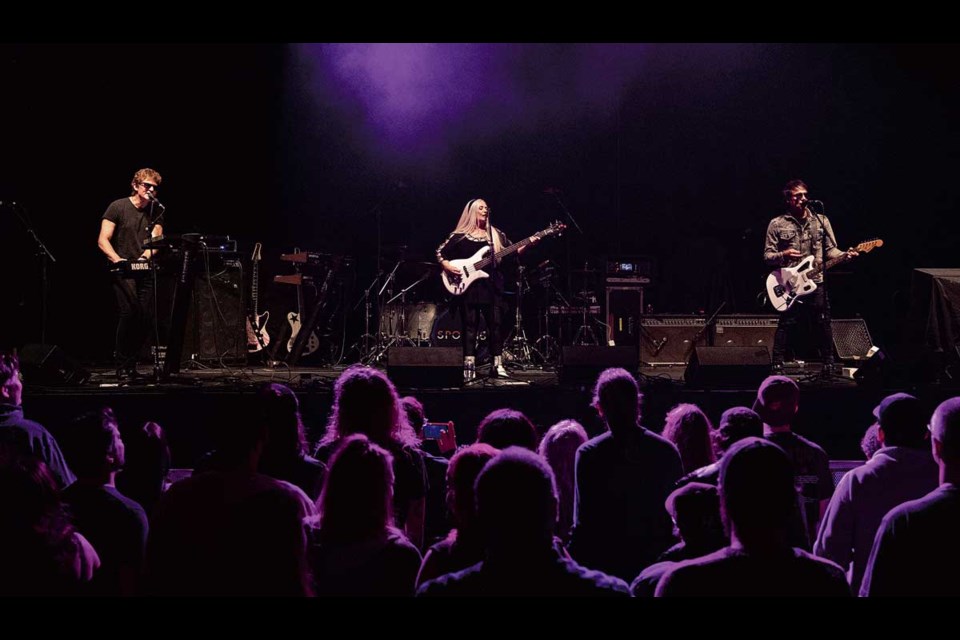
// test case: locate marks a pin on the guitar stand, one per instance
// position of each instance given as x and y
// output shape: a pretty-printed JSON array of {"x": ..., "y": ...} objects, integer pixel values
[{"x": 312, "y": 322}]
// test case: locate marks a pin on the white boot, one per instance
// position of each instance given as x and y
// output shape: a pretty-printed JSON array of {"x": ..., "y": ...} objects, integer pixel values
[
  {"x": 469, "y": 368},
  {"x": 497, "y": 370}
]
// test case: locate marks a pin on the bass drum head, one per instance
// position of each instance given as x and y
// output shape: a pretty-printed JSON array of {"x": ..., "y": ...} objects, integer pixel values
[
  {"x": 420, "y": 319},
  {"x": 448, "y": 332}
]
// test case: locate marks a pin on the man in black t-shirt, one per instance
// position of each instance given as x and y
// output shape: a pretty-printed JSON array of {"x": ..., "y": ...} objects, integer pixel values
[{"x": 124, "y": 226}]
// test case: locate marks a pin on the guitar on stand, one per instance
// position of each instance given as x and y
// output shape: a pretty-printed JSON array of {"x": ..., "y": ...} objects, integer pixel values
[
  {"x": 296, "y": 320},
  {"x": 257, "y": 336},
  {"x": 785, "y": 286}
]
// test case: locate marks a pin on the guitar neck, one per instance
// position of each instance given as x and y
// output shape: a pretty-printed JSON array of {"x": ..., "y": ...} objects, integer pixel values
[
  {"x": 254, "y": 286},
  {"x": 516, "y": 246},
  {"x": 829, "y": 264}
]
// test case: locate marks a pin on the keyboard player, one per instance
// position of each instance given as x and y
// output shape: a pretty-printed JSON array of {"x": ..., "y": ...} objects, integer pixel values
[{"x": 124, "y": 227}]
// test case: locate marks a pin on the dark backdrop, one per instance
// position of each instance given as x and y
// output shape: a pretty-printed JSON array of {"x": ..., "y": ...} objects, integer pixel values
[{"x": 673, "y": 151}]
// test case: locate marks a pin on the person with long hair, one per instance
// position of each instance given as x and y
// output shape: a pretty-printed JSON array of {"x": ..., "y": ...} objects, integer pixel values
[
  {"x": 689, "y": 428},
  {"x": 559, "y": 448},
  {"x": 366, "y": 402},
  {"x": 285, "y": 455},
  {"x": 473, "y": 232},
  {"x": 355, "y": 550}
]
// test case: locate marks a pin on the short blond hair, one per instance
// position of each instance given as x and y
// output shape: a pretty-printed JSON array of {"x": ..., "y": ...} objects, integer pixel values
[{"x": 145, "y": 174}]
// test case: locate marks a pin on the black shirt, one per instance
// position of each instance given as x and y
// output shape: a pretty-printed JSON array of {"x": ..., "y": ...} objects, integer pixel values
[
  {"x": 458, "y": 246},
  {"x": 132, "y": 227}
]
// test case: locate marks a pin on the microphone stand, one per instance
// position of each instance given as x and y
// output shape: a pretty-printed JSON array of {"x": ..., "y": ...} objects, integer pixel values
[
  {"x": 154, "y": 221},
  {"x": 556, "y": 194},
  {"x": 45, "y": 255},
  {"x": 823, "y": 275}
]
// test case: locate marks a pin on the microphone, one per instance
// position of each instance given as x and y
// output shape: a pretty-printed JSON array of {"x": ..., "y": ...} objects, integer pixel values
[
  {"x": 153, "y": 197},
  {"x": 812, "y": 202},
  {"x": 659, "y": 345}
]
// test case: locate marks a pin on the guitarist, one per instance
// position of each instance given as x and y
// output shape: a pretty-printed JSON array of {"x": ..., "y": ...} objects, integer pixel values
[
  {"x": 485, "y": 296},
  {"x": 790, "y": 237}
]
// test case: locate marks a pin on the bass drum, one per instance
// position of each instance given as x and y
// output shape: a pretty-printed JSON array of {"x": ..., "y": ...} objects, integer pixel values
[
  {"x": 414, "y": 321},
  {"x": 448, "y": 332},
  {"x": 420, "y": 319}
]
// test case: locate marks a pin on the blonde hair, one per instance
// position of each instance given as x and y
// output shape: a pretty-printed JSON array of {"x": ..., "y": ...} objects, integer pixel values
[{"x": 468, "y": 223}]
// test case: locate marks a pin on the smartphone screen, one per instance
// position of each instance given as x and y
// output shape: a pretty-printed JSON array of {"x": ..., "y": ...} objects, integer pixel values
[{"x": 433, "y": 430}]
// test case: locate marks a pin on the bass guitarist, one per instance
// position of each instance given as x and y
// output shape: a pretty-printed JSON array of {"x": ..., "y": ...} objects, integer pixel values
[
  {"x": 795, "y": 234},
  {"x": 472, "y": 233}
]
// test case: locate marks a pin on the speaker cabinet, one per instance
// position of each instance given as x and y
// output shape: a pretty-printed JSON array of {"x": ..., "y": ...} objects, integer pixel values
[
  {"x": 851, "y": 338},
  {"x": 582, "y": 365},
  {"x": 216, "y": 322},
  {"x": 728, "y": 367},
  {"x": 669, "y": 339},
  {"x": 425, "y": 367},
  {"x": 49, "y": 365}
]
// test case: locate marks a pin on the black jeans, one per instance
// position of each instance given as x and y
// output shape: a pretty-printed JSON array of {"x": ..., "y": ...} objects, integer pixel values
[
  {"x": 815, "y": 309},
  {"x": 471, "y": 325},
  {"x": 135, "y": 304}
]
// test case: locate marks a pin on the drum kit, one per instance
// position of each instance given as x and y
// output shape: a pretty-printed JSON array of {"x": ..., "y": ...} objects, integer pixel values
[
  {"x": 402, "y": 309},
  {"x": 405, "y": 316}
]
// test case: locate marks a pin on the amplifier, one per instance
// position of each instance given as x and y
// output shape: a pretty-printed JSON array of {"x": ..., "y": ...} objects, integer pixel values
[
  {"x": 669, "y": 339},
  {"x": 565, "y": 310},
  {"x": 745, "y": 331}
]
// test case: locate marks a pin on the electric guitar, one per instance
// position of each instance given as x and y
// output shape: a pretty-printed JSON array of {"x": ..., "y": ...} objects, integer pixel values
[
  {"x": 471, "y": 269},
  {"x": 257, "y": 336},
  {"x": 296, "y": 320},
  {"x": 786, "y": 285}
]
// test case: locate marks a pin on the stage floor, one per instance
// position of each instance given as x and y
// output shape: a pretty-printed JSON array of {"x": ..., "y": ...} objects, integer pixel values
[{"x": 201, "y": 404}]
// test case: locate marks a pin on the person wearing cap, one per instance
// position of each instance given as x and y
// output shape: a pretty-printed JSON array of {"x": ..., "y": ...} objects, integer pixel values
[
  {"x": 917, "y": 548},
  {"x": 757, "y": 498},
  {"x": 695, "y": 510},
  {"x": 736, "y": 423},
  {"x": 900, "y": 470},
  {"x": 778, "y": 400},
  {"x": 792, "y": 236}
]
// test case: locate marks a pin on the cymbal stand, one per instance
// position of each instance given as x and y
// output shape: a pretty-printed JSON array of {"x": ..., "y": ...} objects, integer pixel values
[
  {"x": 546, "y": 346},
  {"x": 517, "y": 350}
]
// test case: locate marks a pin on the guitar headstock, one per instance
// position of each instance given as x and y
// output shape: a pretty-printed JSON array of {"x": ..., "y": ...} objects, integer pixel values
[
  {"x": 256, "y": 252},
  {"x": 556, "y": 227},
  {"x": 869, "y": 245}
]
